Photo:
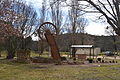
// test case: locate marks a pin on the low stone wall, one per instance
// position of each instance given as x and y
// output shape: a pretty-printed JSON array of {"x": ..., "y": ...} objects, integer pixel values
[
  {"x": 81, "y": 56},
  {"x": 23, "y": 56}
]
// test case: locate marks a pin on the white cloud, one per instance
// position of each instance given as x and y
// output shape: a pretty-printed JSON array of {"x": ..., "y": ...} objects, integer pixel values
[{"x": 96, "y": 29}]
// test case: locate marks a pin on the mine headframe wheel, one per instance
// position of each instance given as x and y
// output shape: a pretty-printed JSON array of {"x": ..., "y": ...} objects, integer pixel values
[{"x": 44, "y": 27}]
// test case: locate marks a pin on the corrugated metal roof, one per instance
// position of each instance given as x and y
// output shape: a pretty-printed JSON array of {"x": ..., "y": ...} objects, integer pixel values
[{"x": 82, "y": 46}]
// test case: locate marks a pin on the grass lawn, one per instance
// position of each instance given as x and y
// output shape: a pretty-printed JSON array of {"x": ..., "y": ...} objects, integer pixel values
[{"x": 15, "y": 71}]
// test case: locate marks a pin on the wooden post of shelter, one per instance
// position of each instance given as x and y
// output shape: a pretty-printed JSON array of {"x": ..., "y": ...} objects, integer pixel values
[
  {"x": 93, "y": 53},
  {"x": 73, "y": 53},
  {"x": 90, "y": 53}
]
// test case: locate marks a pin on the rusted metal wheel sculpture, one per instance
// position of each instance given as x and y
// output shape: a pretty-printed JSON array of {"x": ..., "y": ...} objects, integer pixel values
[
  {"x": 46, "y": 26},
  {"x": 46, "y": 31}
]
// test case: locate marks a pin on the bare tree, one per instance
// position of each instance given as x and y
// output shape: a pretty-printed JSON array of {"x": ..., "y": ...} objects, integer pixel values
[
  {"x": 21, "y": 19},
  {"x": 6, "y": 28},
  {"x": 81, "y": 24},
  {"x": 27, "y": 24},
  {"x": 73, "y": 15},
  {"x": 43, "y": 13},
  {"x": 109, "y": 9},
  {"x": 111, "y": 32},
  {"x": 77, "y": 22},
  {"x": 56, "y": 14}
]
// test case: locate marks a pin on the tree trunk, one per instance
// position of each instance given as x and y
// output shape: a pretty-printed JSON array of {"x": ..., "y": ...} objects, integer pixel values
[{"x": 11, "y": 55}]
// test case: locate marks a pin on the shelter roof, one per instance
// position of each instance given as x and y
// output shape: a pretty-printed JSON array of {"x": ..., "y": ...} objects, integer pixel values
[{"x": 81, "y": 46}]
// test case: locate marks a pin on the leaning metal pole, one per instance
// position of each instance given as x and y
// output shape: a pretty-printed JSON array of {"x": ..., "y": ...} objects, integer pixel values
[{"x": 52, "y": 43}]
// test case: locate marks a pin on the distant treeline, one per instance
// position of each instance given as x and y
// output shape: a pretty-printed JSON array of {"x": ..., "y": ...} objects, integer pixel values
[{"x": 64, "y": 41}]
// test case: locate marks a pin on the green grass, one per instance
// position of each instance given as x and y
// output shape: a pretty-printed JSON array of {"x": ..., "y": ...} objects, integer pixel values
[
  {"x": 46, "y": 54},
  {"x": 10, "y": 70}
]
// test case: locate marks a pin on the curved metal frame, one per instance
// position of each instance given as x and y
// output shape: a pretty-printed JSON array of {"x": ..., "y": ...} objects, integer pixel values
[
  {"x": 45, "y": 23},
  {"x": 50, "y": 24}
]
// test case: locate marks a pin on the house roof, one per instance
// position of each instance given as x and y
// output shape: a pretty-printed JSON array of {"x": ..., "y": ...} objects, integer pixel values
[{"x": 81, "y": 46}]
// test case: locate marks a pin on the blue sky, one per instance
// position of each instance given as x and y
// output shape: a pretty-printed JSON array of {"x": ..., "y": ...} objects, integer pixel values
[{"x": 93, "y": 27}]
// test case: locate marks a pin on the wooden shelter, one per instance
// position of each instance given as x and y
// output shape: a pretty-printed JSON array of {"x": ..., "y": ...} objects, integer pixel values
[{"x": 82, "y": 51}]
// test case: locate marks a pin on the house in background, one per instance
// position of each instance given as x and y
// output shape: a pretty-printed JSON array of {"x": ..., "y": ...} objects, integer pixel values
[{"x": 82, "y": 51}]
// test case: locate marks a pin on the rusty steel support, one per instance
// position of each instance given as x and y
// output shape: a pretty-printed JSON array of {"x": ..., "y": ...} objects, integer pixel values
[{"x": 52, "y": 43}]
